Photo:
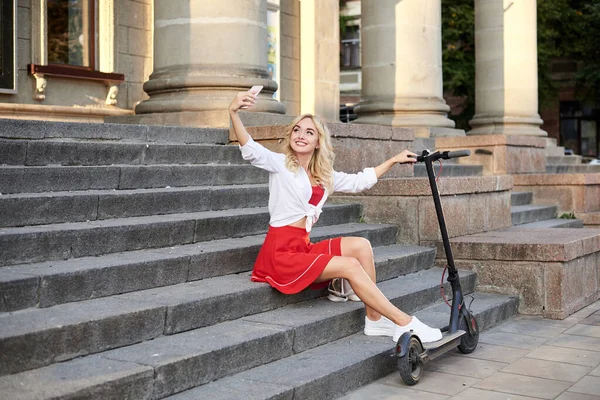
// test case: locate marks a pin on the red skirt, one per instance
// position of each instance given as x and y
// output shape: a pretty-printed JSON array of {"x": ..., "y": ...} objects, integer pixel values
[{"x": 290, "y": 263}]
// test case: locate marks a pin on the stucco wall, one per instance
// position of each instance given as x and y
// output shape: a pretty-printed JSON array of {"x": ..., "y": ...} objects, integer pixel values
[
  {"x": 134, "y": 48},
  {"x": 133, "y": 57}
]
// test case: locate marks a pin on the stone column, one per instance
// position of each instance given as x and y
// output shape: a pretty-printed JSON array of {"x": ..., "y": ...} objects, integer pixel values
[
  {"x": 506, "y": 91},
  {"x": 320, "y": 63},
  {"x": 206, "y": 51},
  {"x": 402, "y": 64}
]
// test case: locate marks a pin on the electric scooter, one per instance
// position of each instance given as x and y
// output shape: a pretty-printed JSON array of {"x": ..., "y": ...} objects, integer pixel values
[{"x": 462, "y": 331}]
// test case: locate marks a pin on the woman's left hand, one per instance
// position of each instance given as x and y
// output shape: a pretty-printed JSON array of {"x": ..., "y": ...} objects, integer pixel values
[{"x": 404, "y": 157}]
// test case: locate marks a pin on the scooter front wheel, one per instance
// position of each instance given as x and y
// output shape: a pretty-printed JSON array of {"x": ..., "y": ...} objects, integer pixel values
[
  {"x": 468, "y": 341},
  {"x": 410, "y": 365}
]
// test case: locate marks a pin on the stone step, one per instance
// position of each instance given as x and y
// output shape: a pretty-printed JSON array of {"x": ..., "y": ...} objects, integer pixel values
[
  {"x": 29, "y": 129},
  {"x": 521, "y": 198},
  {"x": 33, "y": 338},
  {"x": 553, "y": 223},
  {"x": 79, "y": 239},
  {"x": 23, "y": 209},
  {"x": 338, "y": 367},
  {"x": 450, "y": 170},
  {"x": 50, "y": 283},
  {"x": 555, "y": 271},
  {"x": 320, "y": 354},
  {"x": 18, "y": 179},
  {"x": 572, "y": 168},
  {"x": 81, "y": 153},
  {"x": 563, "y": 159},
  {"x": 530, "y": 213}
]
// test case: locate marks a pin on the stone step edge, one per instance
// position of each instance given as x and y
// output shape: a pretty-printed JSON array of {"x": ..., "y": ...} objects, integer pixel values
[
  {"x": 44, "y": 283},
  {"x": 401, "y": 291},
  {"x": 30, "y": 129},
  {"x": 72, "y": 240},
  {"x": 20, "y": 179},
  {"x": 32, "y": 209},
  {"x": 36, "y": 338},
  {"x": 148, "y": 219},
  {"x": 62, "y": 315},
  {"x": 147, "y": 378},
  {"x": 95, "y": 141},
  {"x": 542, "y": 245},
  {"x": 338, "y": 367},
  {"x": 530, "y": 207},
  {"x": 552, "y": 223},
  {"x": 531, "y": 213},
  {"x": 521, "y": 198},
  {"x": 101, "y": 153},
  {"x": 125, "y": 192}
]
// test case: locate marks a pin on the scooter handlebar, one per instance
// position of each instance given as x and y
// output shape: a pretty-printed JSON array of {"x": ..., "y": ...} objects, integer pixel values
[
  {"x": 446, "y": 155},
  {"x": 456, "y": 154}
]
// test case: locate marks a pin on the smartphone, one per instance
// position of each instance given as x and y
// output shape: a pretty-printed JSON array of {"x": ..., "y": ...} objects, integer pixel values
[{"x": 256, "y": 90}]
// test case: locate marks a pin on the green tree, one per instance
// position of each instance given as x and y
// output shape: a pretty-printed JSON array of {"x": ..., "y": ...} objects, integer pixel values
[
  {"x": 588, "y": 76},
  {"x": 458, "y": 57},
  {"x": 567, "y": 29}
]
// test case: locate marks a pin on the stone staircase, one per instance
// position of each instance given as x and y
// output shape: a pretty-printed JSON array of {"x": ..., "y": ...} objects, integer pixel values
[
  {"x": 125, "y": 253},
  {"x": 529, "y": 216}
]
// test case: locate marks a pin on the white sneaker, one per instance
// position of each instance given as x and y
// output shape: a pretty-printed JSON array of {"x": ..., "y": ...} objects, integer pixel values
[
  {"x": 426, "y": 333},
  {"x": 381, "y": 327},
  {"x": 349, "y": 292}
]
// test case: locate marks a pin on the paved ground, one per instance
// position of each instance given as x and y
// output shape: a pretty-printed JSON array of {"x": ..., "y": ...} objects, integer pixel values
[{"x": 524, "y": 358}]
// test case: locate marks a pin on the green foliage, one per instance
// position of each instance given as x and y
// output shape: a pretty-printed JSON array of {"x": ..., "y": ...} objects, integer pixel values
[
  {"x": 458, "y": 56},
  {"x": 588, "y": 76},
  {"x": 570, "y": 215},
  {"x": 558, "y": 33},
  {"x": 567, "y": 29}
]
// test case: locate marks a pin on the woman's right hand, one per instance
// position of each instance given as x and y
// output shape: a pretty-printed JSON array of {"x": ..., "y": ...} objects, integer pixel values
[{"x": 243, "y": 100}]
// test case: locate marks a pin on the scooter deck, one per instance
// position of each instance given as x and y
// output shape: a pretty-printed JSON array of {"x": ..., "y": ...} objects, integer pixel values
[{"x": 435, "y": 349}]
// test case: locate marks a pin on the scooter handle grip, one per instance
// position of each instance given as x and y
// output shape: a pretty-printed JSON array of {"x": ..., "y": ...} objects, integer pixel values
[{"x": 457, "y": 153}]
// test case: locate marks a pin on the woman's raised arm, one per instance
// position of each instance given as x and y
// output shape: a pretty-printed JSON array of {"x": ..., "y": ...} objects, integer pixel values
[{"x": 243, "y": 100}]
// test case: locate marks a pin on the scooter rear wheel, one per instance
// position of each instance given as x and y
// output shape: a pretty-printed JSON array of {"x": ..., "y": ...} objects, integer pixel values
[
  {"x": 468, "y": 341},
  {"x": 409, "y": 365}
]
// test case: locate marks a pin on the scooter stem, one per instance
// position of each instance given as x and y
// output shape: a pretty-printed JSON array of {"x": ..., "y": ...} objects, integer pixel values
[{"x": 453, "y": 278}]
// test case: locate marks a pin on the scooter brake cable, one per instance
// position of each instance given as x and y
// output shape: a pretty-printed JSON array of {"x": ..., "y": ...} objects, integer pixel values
[{"x": 442, "y": 289}]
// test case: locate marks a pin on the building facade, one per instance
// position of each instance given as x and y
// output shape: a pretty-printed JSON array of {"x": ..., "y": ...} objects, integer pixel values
[{"x": 181, "y": 61}]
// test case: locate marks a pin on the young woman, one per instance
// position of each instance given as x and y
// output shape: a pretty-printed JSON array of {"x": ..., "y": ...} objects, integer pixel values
[{"x": 300, "y": 180}]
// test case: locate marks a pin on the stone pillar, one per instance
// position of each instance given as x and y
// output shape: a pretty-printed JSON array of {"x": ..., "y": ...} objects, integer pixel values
[
  {"x": 506, "y": 91},
  {"x": 320, "y": 62},
  {"x": 402, "y": 64},
  {"x": 206, "y": 51}
]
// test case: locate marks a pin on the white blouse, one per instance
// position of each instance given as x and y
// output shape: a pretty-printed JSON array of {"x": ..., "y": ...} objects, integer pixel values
[{"x": 289, "y": 192}]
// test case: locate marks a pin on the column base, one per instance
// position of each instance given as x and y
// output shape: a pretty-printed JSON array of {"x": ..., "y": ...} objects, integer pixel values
[
  {"x": 506, "y": 125},
  {"x": 407, "y": 112},
  {"x": 499, "y": 154}
]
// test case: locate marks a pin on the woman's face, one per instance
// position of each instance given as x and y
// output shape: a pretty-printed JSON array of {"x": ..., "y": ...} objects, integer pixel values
[{"x": 304, "y": 138}]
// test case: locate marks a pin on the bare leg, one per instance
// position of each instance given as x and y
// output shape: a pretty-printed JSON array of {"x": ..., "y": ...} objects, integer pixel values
[
  {"x": 360, "y": 248},
  {"x": 351, "y": 269}
]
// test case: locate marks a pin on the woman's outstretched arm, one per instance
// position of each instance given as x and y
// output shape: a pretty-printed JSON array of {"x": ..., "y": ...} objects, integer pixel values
[
  {"x": 242, "y": 100},
  {"x": 403, "y": 157}
]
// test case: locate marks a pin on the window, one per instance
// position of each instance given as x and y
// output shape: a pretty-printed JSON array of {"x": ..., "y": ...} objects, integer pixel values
[
  {"x": 8, "y": 82},
  {"x": 579, "y": 128},
  {"x": 71, "y": 32},
  {"x": 350, "y": 47},
  {"x": 68, "y": 31}
]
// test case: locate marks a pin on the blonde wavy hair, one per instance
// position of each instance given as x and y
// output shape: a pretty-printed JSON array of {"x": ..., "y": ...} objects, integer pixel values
[{"x": 321, "y": 162}]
